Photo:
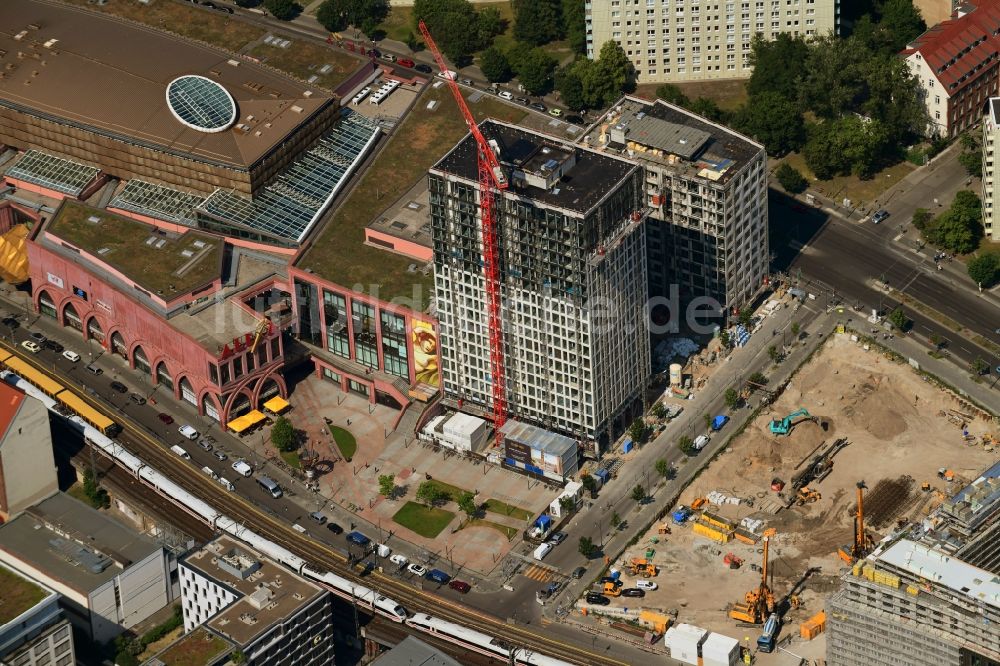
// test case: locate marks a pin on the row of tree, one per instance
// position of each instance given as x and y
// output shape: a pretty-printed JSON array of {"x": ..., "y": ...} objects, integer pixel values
[
  {"x": 336, "y": 15},
  {"x": 459, "y": 30},
  {"x": 958, "y": 229},
  {"x": 540, "y": 22}
]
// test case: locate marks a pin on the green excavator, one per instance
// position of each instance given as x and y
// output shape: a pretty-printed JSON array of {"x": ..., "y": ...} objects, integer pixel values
[{"x": 785, "y": 425}]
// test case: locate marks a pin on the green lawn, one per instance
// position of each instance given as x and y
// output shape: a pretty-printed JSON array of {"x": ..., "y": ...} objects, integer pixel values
[
  {"x": 729, "y": 95},
  {"x": 339, "y": 253},
  {"x": 345, "y": 442},
  {"x": 452, "y": 491},
  {"x": 860, "y": 192},
  {"x": 425, "y": 521},
  {"x": 19, "y": 594},
  {"x": 291, "y": 459},
  {"x": 504, "y": 509},
  {"x": 304, "y": 60}
]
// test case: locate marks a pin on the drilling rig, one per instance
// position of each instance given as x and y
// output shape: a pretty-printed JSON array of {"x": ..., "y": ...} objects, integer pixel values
[
  {"x": 757, "y": 604},
  {"x": 863, "y": 542},
  {"x": 492, "y": 182}
]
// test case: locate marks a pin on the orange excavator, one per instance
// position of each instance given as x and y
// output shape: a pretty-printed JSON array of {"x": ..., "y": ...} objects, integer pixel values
[
  {"x": 757, "y": 604},
  {"x": 863, "y": 542}
]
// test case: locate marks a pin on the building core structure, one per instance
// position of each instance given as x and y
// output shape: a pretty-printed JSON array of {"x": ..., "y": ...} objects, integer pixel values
[
  {"x": 676, "y": 41},
  {"x": 929, "y": 595},
  {"x": 573, "y": 283}
]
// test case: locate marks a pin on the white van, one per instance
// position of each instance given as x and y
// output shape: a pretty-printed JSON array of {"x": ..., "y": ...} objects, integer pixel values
[
  {"x": 505, "y": 94},
  {"x": 227, "y": 484},
  {"x": 270, "y": 485},
  {"x": 383, "y": 550},
  {"x": 542, "y": 551},
  {"x": 242, "y": 468},
  {"x": 188, "y": 432},
  {"x": 700, "y": 442},
  {"x": 208, "y": 471},
  {"x": 181, "y": 452}
]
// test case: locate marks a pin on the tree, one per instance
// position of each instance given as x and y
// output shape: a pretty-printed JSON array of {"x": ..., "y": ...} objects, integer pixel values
[
  {"x": 495, "y": 66},
  {"x": 844, "y": 146},
  {"x": 833, "y": 79},
  {"x": 467, "y": 504},
  {"x": 893, "y": 97},
  {"x": 639, "y": 493},
  {"x": 537, "y": 22},
  {"x": 365, "y": 14},
  {"x": 973, "y": 162},
  {"x": 616, "y": 520},
  {"x": 411, "y": 41},
  {"x": 745, "y": 315},
  {"x": 985, "y": 269},
  {"x": 283, "y": 10},
  {"x": 570, "y": 86},
  {"x": 900, "y": 22},
  {"x": 331, "y": 15},
  {"x": 979, "y": 366},
  {"x": 430, "y": 494},
  {"x": 534, "y": 70},
  {"x": 589, "y": 483},
  {"x": 663, "y": 468},
  {"x": 126, "y": 658},
  {"x": 899, "y": 319},
  {"x": 638, "y": 431},
  {"x": 778, "y": 65},
  {"x": 489, "y": 23},
  {"x": 686, "y": 445},
  {"x": 283, "y": 434},
  {"x": 796, "y": 329},
  {"x": 668, "y": 92},
  {"x": 707, "y": 108},
  {"x": 757, "y": 378},
  {"x": 775, "y": 121},
  {"x": 773, "y": 354},
  {"x": 658, "y": 411},
  {"x": 921, "y": 217},
  {"x": 707, "y": 419},
  {"x": 247, "y": 3},
  {"x": 387, "y": 485},
  {"x": 959, "y": 228},
  {"x": 575, "y": 25},
  {"x": 790, "y": 178},
  {"x": 457, "y": 28},
  {"x": 567, "y": 503},
  {"x": 97, "y": 496},
  {"x": 238, "y": 657},
  {"x": 935, "y": 340},
  {"x": 608, "y": 76},
  {"x": 587, "y": 547},
  {"x": 724, "y": 339},
  {"x": 732, "y": 398}
]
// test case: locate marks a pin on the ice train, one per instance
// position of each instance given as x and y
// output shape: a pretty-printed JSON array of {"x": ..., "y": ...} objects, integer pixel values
[{"x": 364, "y": 597}]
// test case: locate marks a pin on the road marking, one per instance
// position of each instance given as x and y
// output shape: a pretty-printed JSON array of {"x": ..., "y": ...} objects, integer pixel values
[
  {"x": 538, "y": 573},
  {"x": 898, "y": 237}
]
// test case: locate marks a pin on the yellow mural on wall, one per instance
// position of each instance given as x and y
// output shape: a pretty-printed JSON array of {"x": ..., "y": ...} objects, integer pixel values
[{"x": 425, "y": 353}]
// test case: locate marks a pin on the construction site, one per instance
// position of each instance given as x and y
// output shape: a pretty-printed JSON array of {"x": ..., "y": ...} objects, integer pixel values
[{"x": 769, "y": 527}]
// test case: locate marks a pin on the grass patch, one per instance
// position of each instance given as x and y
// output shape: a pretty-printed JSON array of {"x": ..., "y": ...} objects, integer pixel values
[
  {"x": 185, "y": 20},
  {"x": 345, "y": 442},
  {"x": 197, "y": 648},
  {"x": 76, "y": 492},
  {"x": 291, "y": 459},
  {"x": 452, "y": 491},
  {"x": 154, "y": 269},
  {"x": 504, "y": 509},
  {"x": 399, "y": 24},
  {"x": 304, "y": 60},
  {"x": 425, "y": 521},
  {"x": 19, "y": 594},
  {"x": 860, "y": 192},
  {"x": 927, "y": 310},
  {"x": 729, "y": 95},
  {"x": 508, "y": 532},
  {"x": 339, "y": 253}
]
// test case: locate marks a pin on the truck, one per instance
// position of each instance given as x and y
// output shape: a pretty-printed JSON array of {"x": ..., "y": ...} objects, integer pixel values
[
  {"x": 766, "y": 641},
  {"x": 681, "y": 514}
]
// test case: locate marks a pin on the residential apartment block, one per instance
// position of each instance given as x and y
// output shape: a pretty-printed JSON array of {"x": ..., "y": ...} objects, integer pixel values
[
  {"x": 245, "y": 602},
  {"x": 705, "y": 190},
  {"x": 991, "y": 191},
  {"x": 34, "y": 631},
  {"x": 27, "y": 464},
  {"x": 957, "y": 65},
  {"x": 573, "y": 262},
  {"x": 929, "y": 596},
  {"x": 687, "y": 40}
]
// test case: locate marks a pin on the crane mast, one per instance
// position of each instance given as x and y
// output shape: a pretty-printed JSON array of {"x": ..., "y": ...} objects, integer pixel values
[{"x": 491, "y": 180}]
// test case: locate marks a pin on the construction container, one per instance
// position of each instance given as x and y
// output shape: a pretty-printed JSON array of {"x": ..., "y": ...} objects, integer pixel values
[
  {"x": 720, "y": 650},
  {"x": 710, "y": 532},
  {"x": 655, "y": 621},
  {"x": 684, "y": 642},
  {"x": 675, "y": 374},
  {"x": 814, "y": 626},
  {"x": 716, "y": 520},
  {"x": 745, "y": 536}
]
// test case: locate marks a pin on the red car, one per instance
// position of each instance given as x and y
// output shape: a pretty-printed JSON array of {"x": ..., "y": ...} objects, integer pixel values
[
  {"x": 167, "y": 419},
  {"x": 459, "y": 585},
  {"x": 405, "y": 62}
]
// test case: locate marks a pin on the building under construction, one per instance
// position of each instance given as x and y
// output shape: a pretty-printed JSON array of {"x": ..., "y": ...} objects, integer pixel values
[
  {"x": 930, "y": 595},
  {"x": 572, "y": 280}
]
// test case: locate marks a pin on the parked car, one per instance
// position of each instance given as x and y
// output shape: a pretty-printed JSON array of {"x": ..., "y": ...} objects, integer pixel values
[
  {"x": 578, "y": 573},
  {"x": 555, "y": 113},
  {"x": 399, "y": 560},
  {"x": 421, "y": 67},
  {"x": 538, "y": 106},
  {"x": 598, "y": 599},
  {"x": 118, "y": 387},
  {"x": 34, "y": 348},
  {"x": 136, "y": 398},
  {"x": 557, "y": 538},
  {"x": 523, "y": 100},
  {"x": 94, "y": 369},
  {"x": 38, "y": 337},
  {"x": 460, "y": 586},
  {"x": 405, "y": 62},
  {"x": 165, "y": 419},
  {"x": 633, "y": 592},
  {"x": 437, "y": 576},
  {"x": 700, "y": 442},
  {"x": 645, "y": 585},
  {"x": 358, "y": 538},
  {"x": 335, "y": 528},
  {"x": 468, "y": 82},
  {"x": 879, "y": 215},
  {"x": 205, "y": 445},
  {"x": 71, "y": 356},
  {"x": 417, "y": 570},
  {"x": 220, "y": 456},
  {"x": 54, "y": 346},
  {"x": 318, "y": 517},
  {"x": 576, "y": 120},
  {"x": 505, "y": 94},
  {"x": 553, "y": 587}
]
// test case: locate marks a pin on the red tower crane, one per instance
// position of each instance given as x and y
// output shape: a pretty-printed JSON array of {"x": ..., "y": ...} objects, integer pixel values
[{"x": 491, "y": 181}]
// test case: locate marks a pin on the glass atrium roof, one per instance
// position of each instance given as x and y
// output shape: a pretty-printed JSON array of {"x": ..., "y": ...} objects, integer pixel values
[
  {"x": 159, "y": 201},
  {"x": 54, "y": 173},
  {"x": 201, "y": 104},
  {"x": 289, "y": 207}
]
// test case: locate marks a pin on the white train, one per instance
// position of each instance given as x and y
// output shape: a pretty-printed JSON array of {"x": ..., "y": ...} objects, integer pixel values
[{"x": 347, "y": 589}]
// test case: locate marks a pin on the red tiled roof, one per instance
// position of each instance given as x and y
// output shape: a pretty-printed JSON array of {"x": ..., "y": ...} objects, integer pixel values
[
  {"x": 947, "y": 40},
  {"x": 10, "y": 401}
]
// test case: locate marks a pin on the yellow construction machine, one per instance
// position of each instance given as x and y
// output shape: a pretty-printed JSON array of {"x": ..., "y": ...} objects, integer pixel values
[
  {"x": 612, "y": 590},
  {"x": 757, "y": 604},
  {"x": 640, "y": 566},
  {"x": 807, "y": 495},
  {"x": 863, "y": 542}
]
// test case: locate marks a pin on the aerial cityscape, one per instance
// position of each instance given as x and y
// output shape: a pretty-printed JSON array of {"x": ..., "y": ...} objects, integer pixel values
[{"x": 510, "y": 332}]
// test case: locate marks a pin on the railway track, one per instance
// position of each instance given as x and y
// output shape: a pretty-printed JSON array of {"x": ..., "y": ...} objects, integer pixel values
[{"x": 321, "y": 556}]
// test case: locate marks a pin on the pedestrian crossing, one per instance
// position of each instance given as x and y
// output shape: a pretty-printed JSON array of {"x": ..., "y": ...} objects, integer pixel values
[{"x": 541, "y": 574}]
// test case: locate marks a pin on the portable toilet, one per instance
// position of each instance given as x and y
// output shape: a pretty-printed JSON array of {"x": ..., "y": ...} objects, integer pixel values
[{"x": 603, "y": 476}]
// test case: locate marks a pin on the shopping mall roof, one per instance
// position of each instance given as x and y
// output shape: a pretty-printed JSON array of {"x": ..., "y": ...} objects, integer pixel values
[
  {"x": 166, "y": 264},
  {"x": 52, "y": 172},
  {"x": 157, "y": 201},
  {"x": 112, "y": 76}
]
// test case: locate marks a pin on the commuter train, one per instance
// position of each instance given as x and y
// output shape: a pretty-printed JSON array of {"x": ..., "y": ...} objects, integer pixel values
[{"x": 342, "y": 587}]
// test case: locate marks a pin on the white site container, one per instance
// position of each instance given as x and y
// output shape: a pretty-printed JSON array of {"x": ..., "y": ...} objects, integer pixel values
[
  {"x": 684, "y": 641},
  {"x": 720, "y": 650}
]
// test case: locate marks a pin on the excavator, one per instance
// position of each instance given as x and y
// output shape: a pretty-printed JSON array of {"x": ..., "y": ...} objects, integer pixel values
[
  {"x": 757, "y": 604},
  {"x": 863, "y": 542},
  {"x": 640, "y": 566},
  {"x": 785, "y": 425}
]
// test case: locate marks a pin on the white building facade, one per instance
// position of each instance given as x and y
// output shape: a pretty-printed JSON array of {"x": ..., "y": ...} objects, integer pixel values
[
  {"x": 991, "y": 193},
  {"x": 686, "y": 40}
]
